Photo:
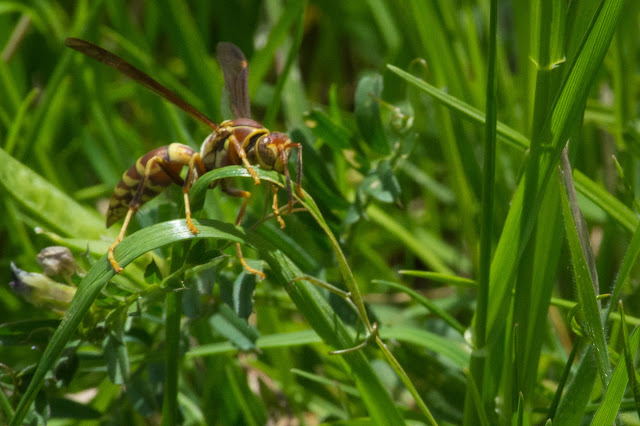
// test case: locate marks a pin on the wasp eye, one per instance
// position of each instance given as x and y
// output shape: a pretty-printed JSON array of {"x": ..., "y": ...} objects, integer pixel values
[{"x": 267, "y": 153}]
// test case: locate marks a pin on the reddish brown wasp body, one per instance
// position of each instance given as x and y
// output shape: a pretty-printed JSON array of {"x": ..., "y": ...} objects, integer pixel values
[{"x": 241, "y": 141}]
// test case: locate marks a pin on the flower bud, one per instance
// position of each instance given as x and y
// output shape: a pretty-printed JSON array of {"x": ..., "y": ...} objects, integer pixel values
[
  {"x": 57, "y": 260},
  {"x": 40, "y": 290}
]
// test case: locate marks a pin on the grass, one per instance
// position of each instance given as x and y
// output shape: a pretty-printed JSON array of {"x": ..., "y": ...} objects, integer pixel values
[{"x": 489, "y": 272}]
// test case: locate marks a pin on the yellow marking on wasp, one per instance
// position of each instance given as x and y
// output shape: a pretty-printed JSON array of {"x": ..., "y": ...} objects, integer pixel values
[
  {"x": 120, "y": 192},
  {"x": 116, "y": 205},
  {"x": 154, "y": 188},
  {"x": 130, "y": 181},
  {"x": 140, "y": 167},
  {"x": 179, "y": 154},
  {"x": 254, "y": 133}
]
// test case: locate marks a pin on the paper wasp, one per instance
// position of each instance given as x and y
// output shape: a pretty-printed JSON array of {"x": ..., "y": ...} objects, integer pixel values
[{"x": 240, "y": 141}]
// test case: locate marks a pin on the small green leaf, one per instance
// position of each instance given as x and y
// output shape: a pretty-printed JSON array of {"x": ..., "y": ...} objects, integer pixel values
[
  {"x": 234, "y": 328},
  {"x": 241, "y": 297},
  {"x": 115, "y": 350},
  {"x": 331, "y": 133},
  {"x": 382, "y": 184},
  {"x": 152, "y": 274},
  {"x": 367, "y": 111}
]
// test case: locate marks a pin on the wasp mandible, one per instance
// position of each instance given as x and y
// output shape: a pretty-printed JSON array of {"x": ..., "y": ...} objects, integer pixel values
[{"x": 240, "y": 141}]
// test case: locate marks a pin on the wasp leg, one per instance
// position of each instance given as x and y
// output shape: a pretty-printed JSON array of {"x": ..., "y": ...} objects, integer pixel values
[
  {"x": 243, "y": 156},
  {"x": 114, "y": 264},
  {"x": 136, "y": 202},
  {"x": 299, "y": 173},
  {"x": 235, "y": 192},
  {"x": 196, "y": 169},
  {"x": 274, "y": 205}
]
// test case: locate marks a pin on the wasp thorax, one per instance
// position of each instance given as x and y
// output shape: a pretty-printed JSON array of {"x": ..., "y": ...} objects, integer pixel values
[{"x": 272, "y": 150}]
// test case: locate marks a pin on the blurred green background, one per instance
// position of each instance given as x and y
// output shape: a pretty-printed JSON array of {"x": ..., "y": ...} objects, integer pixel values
[{"x": 394, "y": 166}]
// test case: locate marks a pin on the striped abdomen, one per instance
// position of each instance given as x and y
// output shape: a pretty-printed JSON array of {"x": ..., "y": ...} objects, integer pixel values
[{"x": 164, "y": 169}]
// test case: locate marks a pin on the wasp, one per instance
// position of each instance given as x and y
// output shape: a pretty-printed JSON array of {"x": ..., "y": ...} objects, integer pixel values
[{"x": 239, "y": 141}]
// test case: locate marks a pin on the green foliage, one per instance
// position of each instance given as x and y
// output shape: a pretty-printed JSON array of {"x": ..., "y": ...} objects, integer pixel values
[{"x": 453, "y": 274}]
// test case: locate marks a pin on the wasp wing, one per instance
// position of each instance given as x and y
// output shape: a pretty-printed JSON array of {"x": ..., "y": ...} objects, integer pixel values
[
  {"x": 236, "y": 78},
  {"x": 119, "y": 64}
]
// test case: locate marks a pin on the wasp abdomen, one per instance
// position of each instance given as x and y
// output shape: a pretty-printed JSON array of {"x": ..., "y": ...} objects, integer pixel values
[{"x": 161, "y": 167}]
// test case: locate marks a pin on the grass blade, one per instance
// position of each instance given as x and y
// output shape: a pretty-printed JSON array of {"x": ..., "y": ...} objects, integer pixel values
[
  {"x": 311, "y": 304},
  {"x": 629, "y": 354},
  {"x": 585, "y": 284},
  {"x": 172, "y": 358},
  {"x": 46, "y": 202},
  {"x": 606, "y": 414}
]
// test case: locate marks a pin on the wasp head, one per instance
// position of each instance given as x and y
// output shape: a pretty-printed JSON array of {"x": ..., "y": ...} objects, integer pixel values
[{"x": 272, "y": 152}]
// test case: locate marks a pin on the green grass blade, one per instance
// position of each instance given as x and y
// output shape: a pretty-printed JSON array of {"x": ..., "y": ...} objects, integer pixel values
[
  {"x": 486, "y": 219},
  {"x": 18, "y": 122},
  {"x": 274, "y": 107},
  {"x": 595, "y": 192},
  {"x": 615, "y": 208},
  {"x": 198, "y": 60},
  {"x": 173, "y": 314},
  {"x": 574, "y": 402},
  {"x": 263, "y": 59},
  {"x": 201, "y": 185},
  {"x": 606, "y": 414},
  {"x": 311, "y": 304},
  {"x": 630, "y": 257},
  {"x": 560, "y": 122},
  {"x": 629, "y": 354},
  {"x": 504, "y": 132},
  {"x": 45, "y": 202},
  {"x": 533, "y": 290},
  {"x": 438, "y": 277},
  {"x": 456, "y": 352},
  {"x": 277, "y": 340},
  {"x": 423, "y": 251},
  {"x": 130, "y": 248},
  {"x": 476, "y": 399},
  {"x": 243, "y": 397},
  {"x": 592, "y": 321},
  {"x": 426, "y": 303},
  {"x": 564, "y": 377}
]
